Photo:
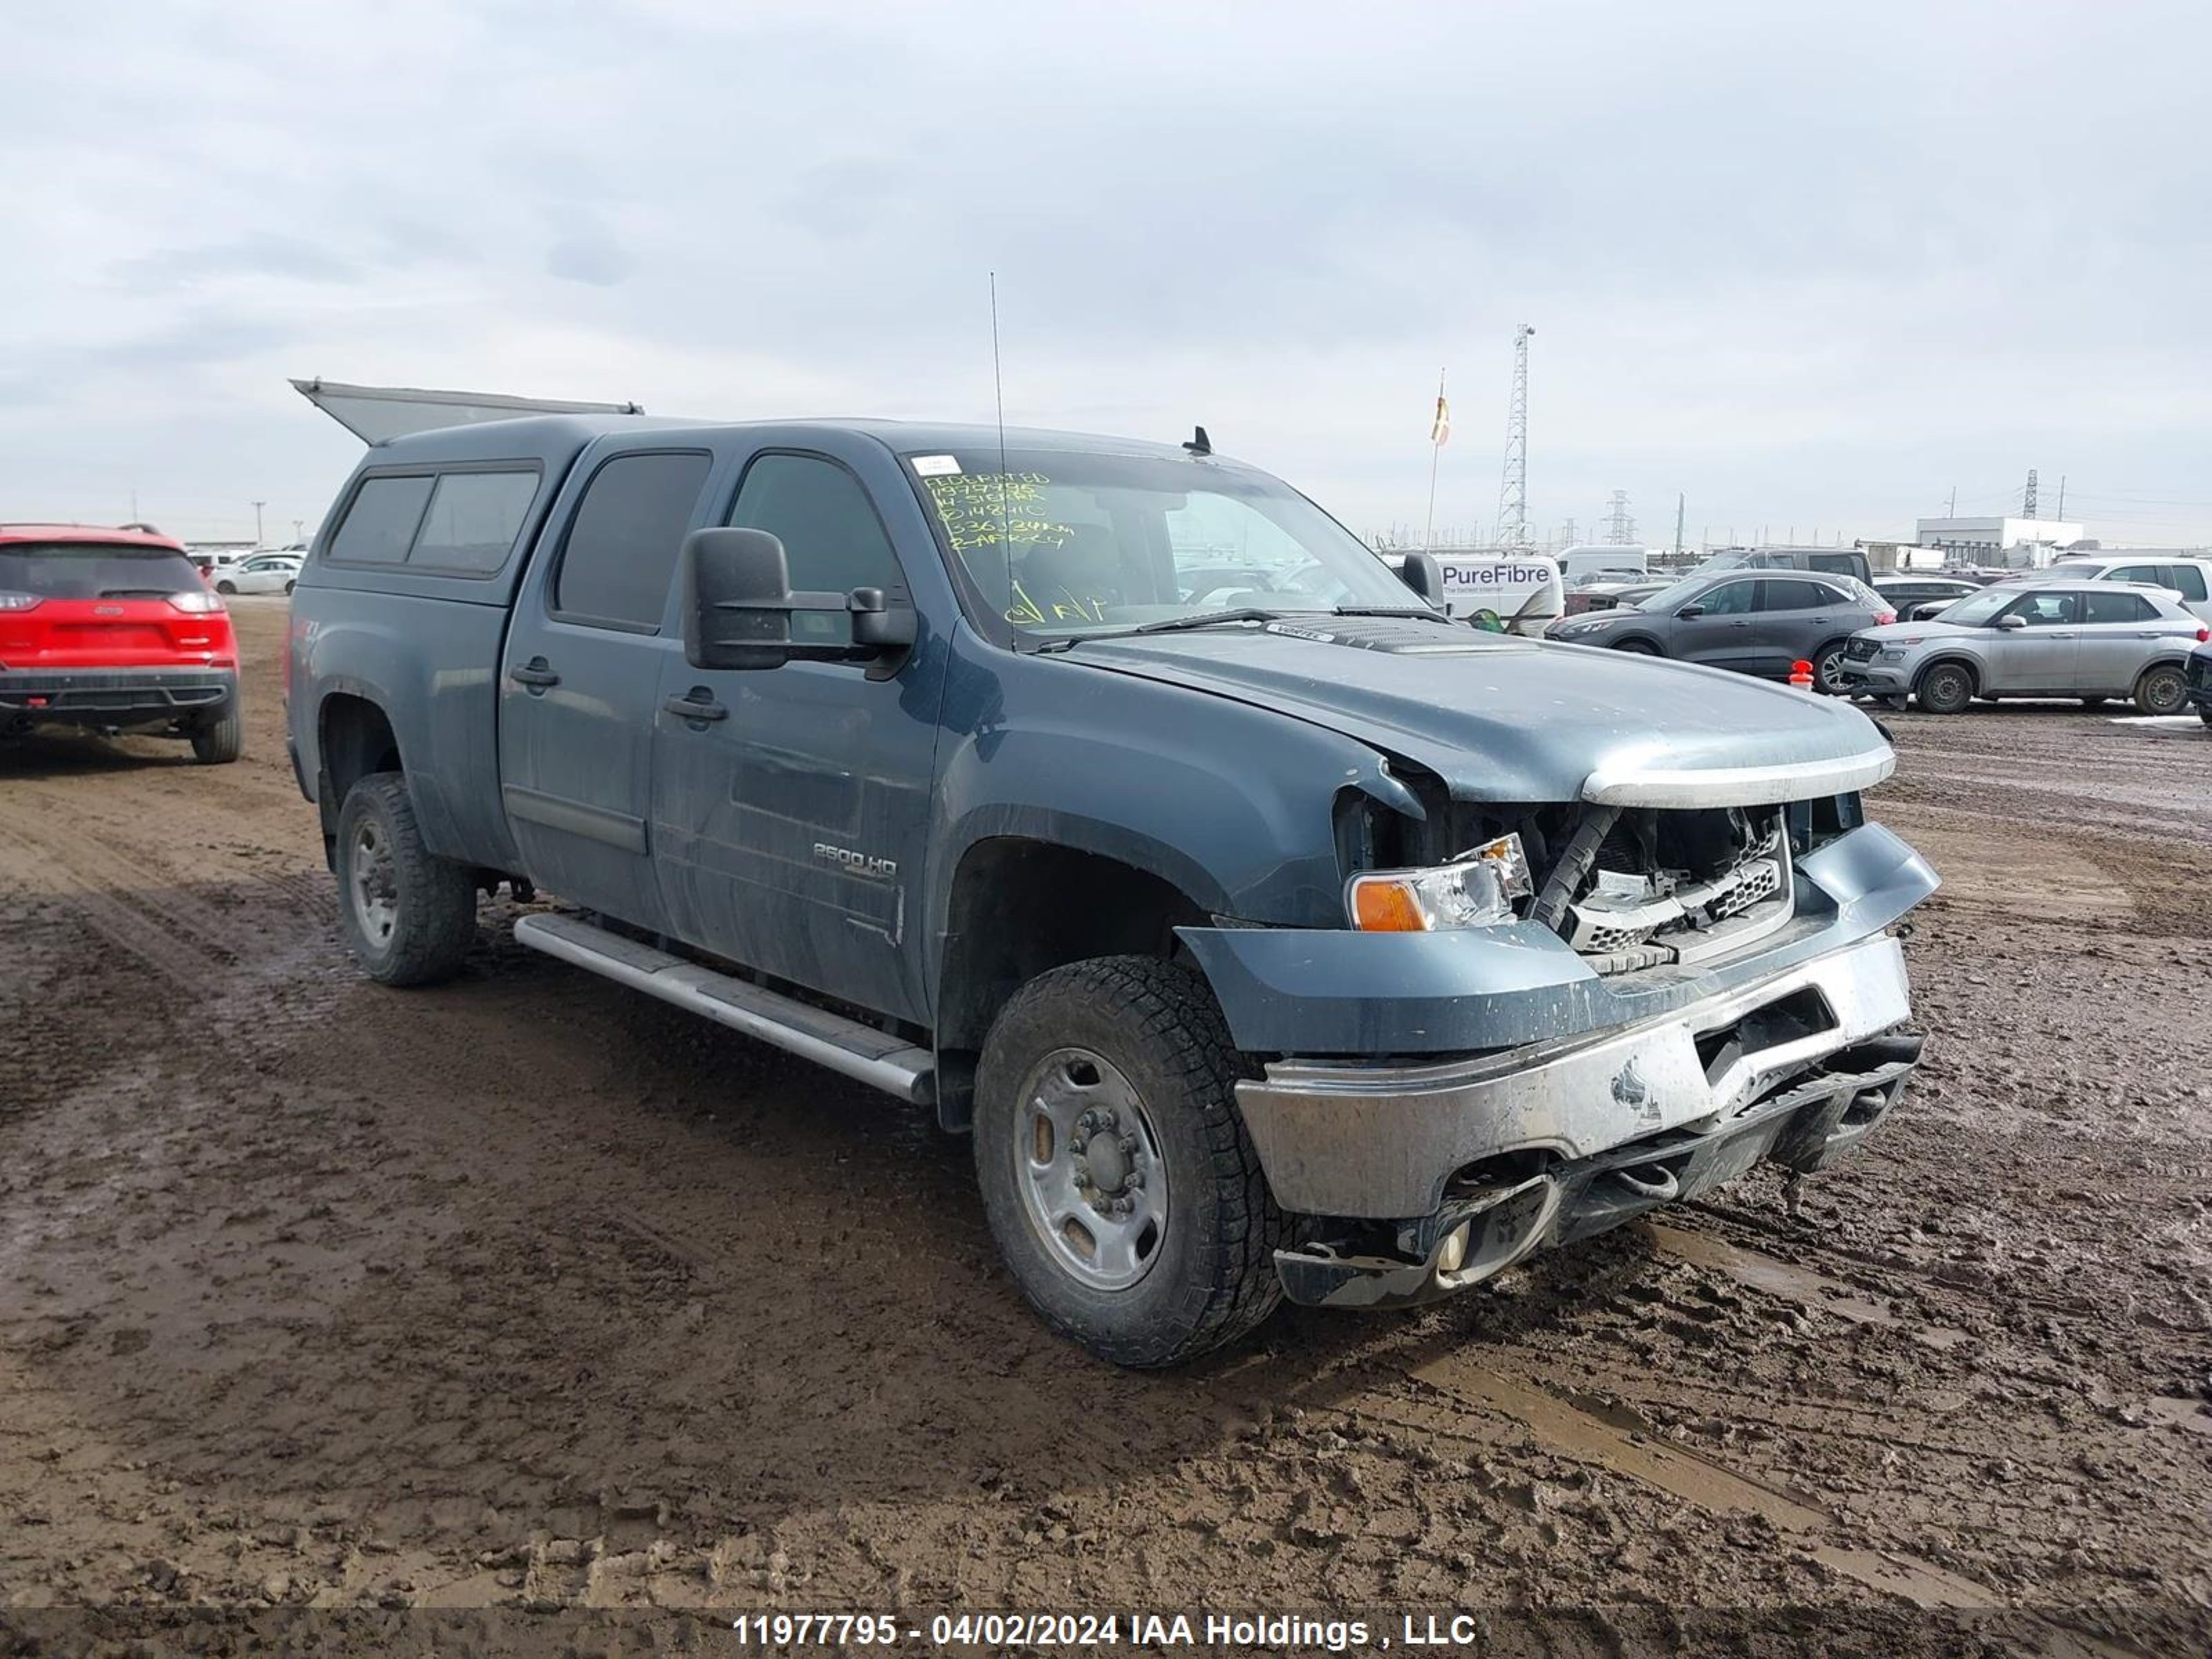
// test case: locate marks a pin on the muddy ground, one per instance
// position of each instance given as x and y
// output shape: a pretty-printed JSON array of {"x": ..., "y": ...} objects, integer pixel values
[{"x": 528, "y": 1294}]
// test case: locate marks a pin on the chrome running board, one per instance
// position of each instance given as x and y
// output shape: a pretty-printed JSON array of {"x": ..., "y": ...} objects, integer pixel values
[{"x": 845, "y": 1046}]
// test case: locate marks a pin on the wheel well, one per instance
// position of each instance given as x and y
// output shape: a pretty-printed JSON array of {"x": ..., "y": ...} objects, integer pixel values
[
  {"x": 1644, "y": 642},
  {"x": 1973, "y": 671},
  {"x": 355, "y": 740},
  {"x": 1021, "y": 907}
]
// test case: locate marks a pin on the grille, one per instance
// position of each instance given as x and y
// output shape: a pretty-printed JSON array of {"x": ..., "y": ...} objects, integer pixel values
[
  {"x": 1632, "y": 919},
  {"x": 1861, "y": 650}
]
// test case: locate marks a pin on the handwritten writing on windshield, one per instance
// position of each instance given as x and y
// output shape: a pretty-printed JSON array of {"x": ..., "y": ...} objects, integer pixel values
[{"x": 973, "y": 506}]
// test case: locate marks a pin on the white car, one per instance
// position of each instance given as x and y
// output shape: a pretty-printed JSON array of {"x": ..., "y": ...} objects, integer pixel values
[
  {"x": 261, "y": 573},
  {"x": 2191, "y": 578}
]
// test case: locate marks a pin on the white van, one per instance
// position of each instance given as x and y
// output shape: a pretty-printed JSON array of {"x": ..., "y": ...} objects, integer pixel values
[
  {"x": 1508, "y": 593},
  {"x": 1604, "y": 558}
]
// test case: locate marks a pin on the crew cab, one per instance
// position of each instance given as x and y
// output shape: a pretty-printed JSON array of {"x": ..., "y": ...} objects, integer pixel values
[
  {"x": 113, "y": 631},
  {"x": 1270, "y": 935}
]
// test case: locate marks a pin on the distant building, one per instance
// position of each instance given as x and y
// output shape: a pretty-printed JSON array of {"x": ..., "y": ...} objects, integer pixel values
[{"x": 1987, "y": 541}]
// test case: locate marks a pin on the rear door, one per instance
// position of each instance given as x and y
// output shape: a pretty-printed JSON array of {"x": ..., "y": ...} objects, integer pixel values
[
  {"x": 2188, "y": 579},
  {"x": 582, "y": 678},
  {"x": 1795, "y": 617},
  {"x": 2042, "y": 656},
  {"x": 792, "y": 812},
  {"x": 2119, "y": 633}
]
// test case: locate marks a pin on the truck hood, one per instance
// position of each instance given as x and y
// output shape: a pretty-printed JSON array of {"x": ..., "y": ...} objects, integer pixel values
[{"x": 1512, "y": 720}]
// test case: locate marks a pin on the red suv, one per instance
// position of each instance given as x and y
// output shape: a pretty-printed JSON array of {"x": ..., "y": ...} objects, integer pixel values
[{"x": 110, "y": 631}]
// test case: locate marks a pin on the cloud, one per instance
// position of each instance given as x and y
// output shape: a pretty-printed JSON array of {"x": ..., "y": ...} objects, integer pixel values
[{"x": 1797, "y": 265}]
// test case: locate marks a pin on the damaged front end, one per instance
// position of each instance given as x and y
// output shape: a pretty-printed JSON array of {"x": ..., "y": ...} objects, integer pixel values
[{"x": 1686, "y": 990}]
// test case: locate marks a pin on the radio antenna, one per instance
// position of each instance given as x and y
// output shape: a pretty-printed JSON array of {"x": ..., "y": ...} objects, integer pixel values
[{"x": 999, "y": 398}]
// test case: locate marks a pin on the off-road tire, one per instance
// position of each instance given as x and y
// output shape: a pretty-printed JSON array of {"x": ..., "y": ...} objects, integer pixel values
[
  {"x": 1945, "y": 688},
  {"x": 2162, "y": 689},
  {"x": 221, "y": 739},
  {"x": 434, "y": 899},
  {"x": 1214, "y": 1277}
]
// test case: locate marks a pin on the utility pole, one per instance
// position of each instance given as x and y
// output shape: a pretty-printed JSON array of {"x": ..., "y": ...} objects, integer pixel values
[
  {"x": 2062, "y": 494},
  {"x": 1513, "y": 492},
  {"x": 1680, "y": 501},
  {"x": 2028, "y": 499},
  {"x": 1619, "y": 528},
  {"x": 1951, "y": 512},
  {"x": 257, "y": 538}
]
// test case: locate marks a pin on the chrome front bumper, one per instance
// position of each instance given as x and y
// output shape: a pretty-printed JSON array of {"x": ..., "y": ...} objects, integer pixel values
[{"x": 1343, "y": 1139}]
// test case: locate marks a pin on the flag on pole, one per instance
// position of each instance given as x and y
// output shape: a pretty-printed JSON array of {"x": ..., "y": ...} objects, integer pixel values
[{"x": 1440, "y": 430}]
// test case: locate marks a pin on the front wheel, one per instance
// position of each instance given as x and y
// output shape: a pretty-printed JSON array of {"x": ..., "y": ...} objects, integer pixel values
[
  {"x": 289, "y": 586},
  {"x": 1638, "y": 648},
  {"x": 2162, "y": 690},
  {"x": 1945, "y": 688},
  {"x": 409, "y": 916},
  {"x": 1119, "y": 1181},
  {"x": 227, "y": 589}
]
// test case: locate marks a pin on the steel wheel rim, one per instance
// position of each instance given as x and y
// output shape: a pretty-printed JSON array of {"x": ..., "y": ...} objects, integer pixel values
[
  {"x": 2173, "y": 685},
  {"x": 1946, "y": 683},
  {"x": 375, "y": 883},
  {"x": 1088, "y": 1163}
]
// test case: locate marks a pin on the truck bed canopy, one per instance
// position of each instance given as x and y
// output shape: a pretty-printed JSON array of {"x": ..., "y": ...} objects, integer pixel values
[{"x": 378, "y": 414}]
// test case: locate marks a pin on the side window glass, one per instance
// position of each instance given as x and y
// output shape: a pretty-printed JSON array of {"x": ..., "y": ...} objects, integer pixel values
[
  {"x": 380, "y": 525},
  {"x": 621, "y": 552},
  {"x": 1780, "y": 593},
  {"x": 2190, "y": 580},
  {"x": 2046, "y": 610},
  {"x": 2115, "y": 607},
  {"x": 832, "y": 540},
  {"x": 1728, "y": 600},
  {"x": 473, "y": 520}
]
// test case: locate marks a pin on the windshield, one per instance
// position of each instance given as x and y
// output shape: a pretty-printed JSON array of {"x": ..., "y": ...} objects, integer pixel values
[
  {"x": 1721, "y": 562},
  {"x": 1066, "y": 543},
  {"x": 94, "y": 570},
  {"x": 1978, "y": 608}
]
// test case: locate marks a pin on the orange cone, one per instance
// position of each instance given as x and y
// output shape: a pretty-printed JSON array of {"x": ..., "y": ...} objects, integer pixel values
[{"x": 1800, "y": 675}]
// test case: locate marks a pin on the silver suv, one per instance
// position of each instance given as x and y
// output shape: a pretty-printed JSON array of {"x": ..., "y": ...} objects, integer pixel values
[{"x": 2095, "y": 640}]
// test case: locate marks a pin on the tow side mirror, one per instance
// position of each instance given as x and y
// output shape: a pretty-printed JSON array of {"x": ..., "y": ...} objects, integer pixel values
[
  {"x": 739, "y": 612},
  {"x": 1421, "y": 572},
  {"x": 1691, "y": 612},
  {"x": 2012, "y": 621}
]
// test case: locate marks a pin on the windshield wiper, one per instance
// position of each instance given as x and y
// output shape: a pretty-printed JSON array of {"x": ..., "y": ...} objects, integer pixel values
[
  {"x": 1212, "y": 618},
  {"x": 1419, "y": 612}
]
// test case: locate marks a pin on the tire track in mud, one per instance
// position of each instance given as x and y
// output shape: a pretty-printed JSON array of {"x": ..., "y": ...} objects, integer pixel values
[{"x": 36, "y": 869}]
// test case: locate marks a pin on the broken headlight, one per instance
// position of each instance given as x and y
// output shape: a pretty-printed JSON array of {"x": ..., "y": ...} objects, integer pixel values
[{"x": 1475, "y": 889}]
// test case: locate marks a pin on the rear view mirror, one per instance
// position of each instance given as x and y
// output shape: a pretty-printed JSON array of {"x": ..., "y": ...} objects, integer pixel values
[
  {"x": 739, "y": 612},
  {"x": 2012, "y": 621}
]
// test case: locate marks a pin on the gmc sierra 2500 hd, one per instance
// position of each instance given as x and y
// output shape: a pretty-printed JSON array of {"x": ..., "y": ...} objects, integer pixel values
[{"x": 1271, "y": 933}]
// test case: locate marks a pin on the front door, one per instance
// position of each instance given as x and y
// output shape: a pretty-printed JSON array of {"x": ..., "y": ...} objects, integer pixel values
[
  {"x": 2040, "y": 657},
  {"x": 1720, "y": 635},
  {"x": 792, "y": 812},
  {"x": 581, "y": 683}
]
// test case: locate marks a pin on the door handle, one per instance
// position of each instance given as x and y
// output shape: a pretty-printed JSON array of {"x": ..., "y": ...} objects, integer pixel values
[
  {"x": 698, "y": 704},
  {"x": 535, "y": 674}
]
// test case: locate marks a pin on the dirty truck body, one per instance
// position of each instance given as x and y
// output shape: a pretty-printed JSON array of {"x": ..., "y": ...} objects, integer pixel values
[{"x": 1301, "y": 943}]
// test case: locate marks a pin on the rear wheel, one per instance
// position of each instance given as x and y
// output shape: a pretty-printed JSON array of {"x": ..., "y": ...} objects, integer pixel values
[
  {"x": 219, "y": 741},
  {"x": 409, "y": 916},
  {"x": 1828, "y": 671},
  {"x": 2162, "y": 689},
  {"x": 1123, "y": 1192},
  {"x": 1945, "y": 688}
]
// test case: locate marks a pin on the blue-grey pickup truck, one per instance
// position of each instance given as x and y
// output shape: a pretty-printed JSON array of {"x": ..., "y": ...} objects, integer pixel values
[{"x": 1271, "y": 933}]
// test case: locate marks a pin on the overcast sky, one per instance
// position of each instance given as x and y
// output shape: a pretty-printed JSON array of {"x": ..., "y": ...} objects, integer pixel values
[{"x": 1814, "y": 268}]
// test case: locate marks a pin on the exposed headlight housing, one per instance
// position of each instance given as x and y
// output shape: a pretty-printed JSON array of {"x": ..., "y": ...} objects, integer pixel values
[{"x": 1475, "y": 889}]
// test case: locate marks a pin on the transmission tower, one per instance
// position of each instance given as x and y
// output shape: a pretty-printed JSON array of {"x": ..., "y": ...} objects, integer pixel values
[
  {"x": 1619, "y": 528},
  {"x": 2027, "y": 502},
  {"x": 1513, "y": 494}
]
